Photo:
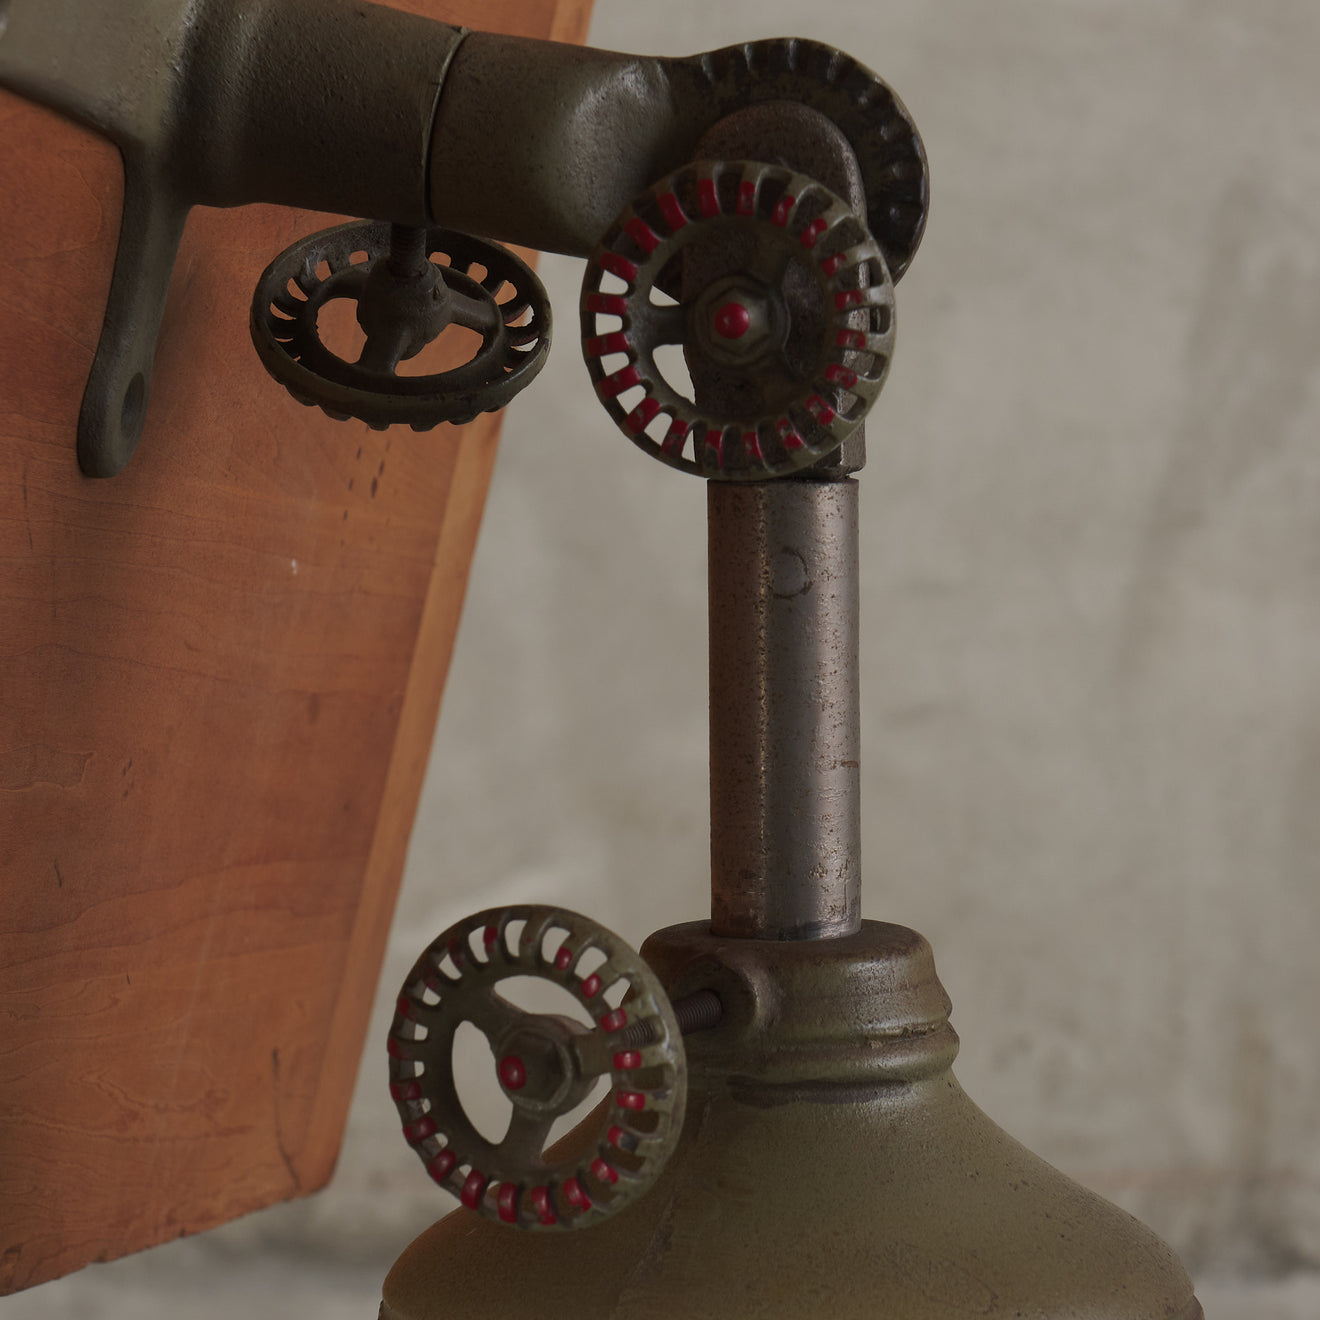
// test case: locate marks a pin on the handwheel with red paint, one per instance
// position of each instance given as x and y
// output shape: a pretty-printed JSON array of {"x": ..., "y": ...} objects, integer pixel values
[
  {"x": 546, "y": 1065},
  {"x": 784, "y": 308}
]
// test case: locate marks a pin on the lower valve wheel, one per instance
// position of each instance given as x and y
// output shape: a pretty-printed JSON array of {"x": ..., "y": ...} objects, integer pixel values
[
  {"x": 546, "y": 1065},
  {"x": 792, "y": 316},
  {"x": 405, "y": 300}
]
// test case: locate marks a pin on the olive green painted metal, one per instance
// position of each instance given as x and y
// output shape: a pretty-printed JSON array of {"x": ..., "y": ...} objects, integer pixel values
[
  {"x": 830, "y": 1165},
  {"x": 581, "y": 132},
  {"x": 547, "y": 1065}
]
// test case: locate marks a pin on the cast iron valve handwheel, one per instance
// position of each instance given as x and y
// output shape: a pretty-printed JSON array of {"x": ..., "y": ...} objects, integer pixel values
[
  {"x": 404, "y": 301},
  {"x": 546, "y": 1065},
  {"x": 794, "y": 314}
]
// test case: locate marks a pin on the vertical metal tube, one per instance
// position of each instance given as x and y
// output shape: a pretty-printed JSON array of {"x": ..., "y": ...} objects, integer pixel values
[{"x": 784, "y": 724}]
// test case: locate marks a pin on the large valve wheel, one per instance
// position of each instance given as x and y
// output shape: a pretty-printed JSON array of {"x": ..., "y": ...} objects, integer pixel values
[
  {"x": 793, "y": 317},
  {"x": 405, "y": 300},
  {"x": 546, "y": 1066}
]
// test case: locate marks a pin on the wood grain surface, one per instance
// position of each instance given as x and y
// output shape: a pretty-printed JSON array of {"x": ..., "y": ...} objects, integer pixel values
[{"x": 219, "y": 675}]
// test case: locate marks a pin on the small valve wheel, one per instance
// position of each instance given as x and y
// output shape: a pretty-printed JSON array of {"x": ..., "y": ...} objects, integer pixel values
[
  {"x": 792, "y": 325},
  {"x": 546, "y": 1066},
  {"x": 405, "y": 299}
]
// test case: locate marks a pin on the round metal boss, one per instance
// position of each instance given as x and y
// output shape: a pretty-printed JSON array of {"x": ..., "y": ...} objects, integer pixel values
[
  {"x": 794, "y": 318},
  {"x": 545, "y": 1064},
  {"x": 405, "y": 300}
]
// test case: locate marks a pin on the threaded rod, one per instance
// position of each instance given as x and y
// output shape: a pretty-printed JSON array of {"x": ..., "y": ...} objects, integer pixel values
[{"x": 695, "y": 1012}]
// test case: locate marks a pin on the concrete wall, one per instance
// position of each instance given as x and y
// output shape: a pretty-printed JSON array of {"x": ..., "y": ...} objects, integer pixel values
[{"x": 1091, "y": 618}]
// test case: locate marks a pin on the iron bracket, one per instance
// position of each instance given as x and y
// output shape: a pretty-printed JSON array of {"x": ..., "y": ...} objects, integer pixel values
[
  {"x": 219, "y": 102},
  {"x": 361, "y": 110}
]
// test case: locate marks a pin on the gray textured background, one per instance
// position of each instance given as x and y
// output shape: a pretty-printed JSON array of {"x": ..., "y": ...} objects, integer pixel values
[{"x": 1091, "y": 628}]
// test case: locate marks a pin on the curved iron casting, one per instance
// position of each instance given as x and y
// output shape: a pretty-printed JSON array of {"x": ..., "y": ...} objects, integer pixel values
[{"x": 225, "y": 102}]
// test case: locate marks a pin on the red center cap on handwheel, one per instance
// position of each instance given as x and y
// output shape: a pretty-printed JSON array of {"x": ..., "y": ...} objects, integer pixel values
[
  {"x": 732, "y": 320},
  {"x": 512, "y": 1072}
]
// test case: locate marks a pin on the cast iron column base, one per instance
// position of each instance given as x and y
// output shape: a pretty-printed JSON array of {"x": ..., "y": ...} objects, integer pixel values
[{"x": 830, "y": 1165}]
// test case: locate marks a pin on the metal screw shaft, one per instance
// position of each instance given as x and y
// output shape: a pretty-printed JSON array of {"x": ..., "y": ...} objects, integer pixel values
[
  {"x": 408, "y": 255},
  {"x": 695, "y": 1012}
]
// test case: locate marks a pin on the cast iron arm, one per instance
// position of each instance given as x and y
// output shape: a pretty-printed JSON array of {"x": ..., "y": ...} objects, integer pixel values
[{"x": 355, "y": 108}]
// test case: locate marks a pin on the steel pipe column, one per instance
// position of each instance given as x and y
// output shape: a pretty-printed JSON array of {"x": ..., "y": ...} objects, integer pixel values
[{"x": 784, "y": 725}]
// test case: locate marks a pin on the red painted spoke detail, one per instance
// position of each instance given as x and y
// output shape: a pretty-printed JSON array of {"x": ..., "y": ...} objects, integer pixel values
[
  {"x": 623, "y": 379},
  {"x": 746, "y": 197},
  {"x": 783, "y": 209},
  {"x": 419, "y": 1131},
  {"x": 841, "y": 375},
  {"x": 591, "y": 986},
  {"x": 708, "y": 197},
  {"x": 820, "y": 410},
  {"x": 442, "y": 1166},
  {"x": 545, "y": 1210},
  {"x": 849, "y": 298},
  {"x": 850, "y": 339},
  {"x": 619, "y": 265},
  {"x": 490, "y": 935},
  {"x": 626, "y": 1060},
  {"x": 615, "y": 1021},
  {"x": 622, "y": 1139},
  {"x": 630, "y": 1100},
  {"x": 675, "y": 438},
  {"x": 394, "y": 1048},
  {"x": 640, "y": 417},
  {"x": 642, "y": 234},
  {"x": 831, "y": 264},
  {"x": 673, "y": 212},
  {"x": 715, "y": 445},
  {"x": 404, "y": 1091},
  {"x": 576, "y": 1194},
  {"x": 810, "y": 236},
  {"x": 508, "y": 1202},
  {"x": 618, "y": 342},
  {"x": 407, "y": 1008},
  {"x": 607, "y": 304},
  {"x": 564, "y": 958},
  {"x": 788, "y": 434},
  {"x": 473, "y": 1189},
  {"x": 604, "y": 1171},
  {"x": 752, "y": 446}
]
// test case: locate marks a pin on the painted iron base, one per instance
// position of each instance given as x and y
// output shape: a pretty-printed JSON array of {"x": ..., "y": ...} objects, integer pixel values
[{"x": 830, "y": 1166}]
